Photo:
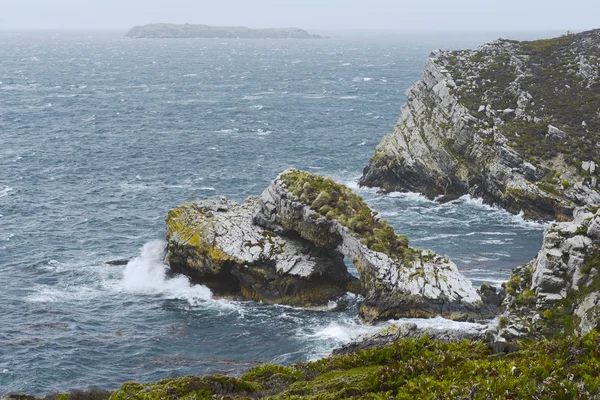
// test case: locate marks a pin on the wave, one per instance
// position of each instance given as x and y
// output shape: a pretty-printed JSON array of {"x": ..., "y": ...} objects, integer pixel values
[
  {"x": 232, "y": 130},
  {"x": 412, "y": 196},
  {"x": 518, "y": 219},
  {"x": 263, "y": 132},
  {"x": 252, "y": 97},
  {"x": 4, "y": 192},
  {"x": 147, "y": 274}
]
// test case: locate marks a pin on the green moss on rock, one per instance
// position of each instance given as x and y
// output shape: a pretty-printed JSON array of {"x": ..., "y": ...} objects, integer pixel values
[{"x": 334, "y": 201}]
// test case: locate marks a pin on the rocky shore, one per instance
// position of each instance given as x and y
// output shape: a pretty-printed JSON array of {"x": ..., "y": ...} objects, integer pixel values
[{"x": 514, "y": 123}]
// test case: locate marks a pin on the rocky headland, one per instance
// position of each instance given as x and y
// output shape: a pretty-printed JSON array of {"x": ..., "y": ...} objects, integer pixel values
[
  {"x": 288, "y": 247},
  {"x": 186, "y": 31},
  {"x": 514, "y": 123}
]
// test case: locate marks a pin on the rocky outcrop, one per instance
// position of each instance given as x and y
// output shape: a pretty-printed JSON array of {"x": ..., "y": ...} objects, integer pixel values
[
  {"x": 288, "y": 247},
  {"x": 514, "y": 123},
  {"x": 396, "y": 281},
  {"x": 184, "y": 31},
  {"x": 395, "y": 333},
  {"x": 559, "y": 291},
  {"x": 217, "y": 244}
]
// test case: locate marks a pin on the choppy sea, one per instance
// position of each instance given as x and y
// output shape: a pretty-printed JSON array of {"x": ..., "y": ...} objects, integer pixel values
[{"x": 101, "y": 135}]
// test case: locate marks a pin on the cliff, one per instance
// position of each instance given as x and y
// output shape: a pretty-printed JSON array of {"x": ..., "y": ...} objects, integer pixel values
[
  {"x": 288, "y": 248},
  {"x": 559, "y": 291},
  {"x": 515, "y": 123},
  {"x": 176, "y": 31}
]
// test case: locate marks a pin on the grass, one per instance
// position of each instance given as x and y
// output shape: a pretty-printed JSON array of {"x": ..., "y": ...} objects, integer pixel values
[
  {"x": 338, "y": 202},
  {"x": 565, "y": 368}
]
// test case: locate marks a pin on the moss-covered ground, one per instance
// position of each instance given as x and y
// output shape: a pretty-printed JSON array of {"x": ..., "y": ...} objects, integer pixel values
[
  {"x": 562, "y": 368},
  {"x": 338, "y": 202},
  {"x": 550, "y": 71}
]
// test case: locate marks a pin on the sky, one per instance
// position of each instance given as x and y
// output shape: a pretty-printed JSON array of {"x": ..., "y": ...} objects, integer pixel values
[{"x": 312, "y": 15}]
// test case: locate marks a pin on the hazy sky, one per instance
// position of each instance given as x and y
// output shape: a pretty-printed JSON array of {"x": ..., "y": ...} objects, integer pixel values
[{"x": 308, "y": 14}]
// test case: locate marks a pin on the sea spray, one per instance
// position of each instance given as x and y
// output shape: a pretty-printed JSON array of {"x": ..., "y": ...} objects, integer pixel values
[{"x": 147, "y": 274}]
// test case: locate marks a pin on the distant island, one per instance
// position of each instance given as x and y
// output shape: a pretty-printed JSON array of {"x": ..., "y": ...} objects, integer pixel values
[{"x": 183, "y": 31}]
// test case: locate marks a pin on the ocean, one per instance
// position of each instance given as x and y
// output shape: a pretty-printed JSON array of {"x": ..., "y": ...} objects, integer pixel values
[{"x": 100, "y": 136}]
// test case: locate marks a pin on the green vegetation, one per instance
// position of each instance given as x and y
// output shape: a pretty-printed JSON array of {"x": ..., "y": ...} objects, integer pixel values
[
  {"x": 565, "y": 368},
  {"x": 337, "y": 202},
  {"x": 548, "y": 71}
]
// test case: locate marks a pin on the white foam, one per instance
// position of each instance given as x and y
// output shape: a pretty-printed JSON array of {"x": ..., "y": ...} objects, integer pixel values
[
  {"x": 233, "y": 130},
  {"x": 412, "y": 196},
  {"x": 252, "y": 97},
  {"x": 516, "y": 219},
  {"x": 4, "y": 192},
  {"x": 147, "y": 274},
  {"x": 263, "y": 132},
  {"x": 349, "y": 97}
]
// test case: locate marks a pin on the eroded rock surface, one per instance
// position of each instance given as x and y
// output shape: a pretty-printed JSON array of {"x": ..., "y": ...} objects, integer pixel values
[
  {"x": 514, "y": 123},
  {"x": 397, "y": 281},
  {"x": 217, "y": 244},
  {"x": 559, "y": 291},
  {"x": 288, "y": 247}
]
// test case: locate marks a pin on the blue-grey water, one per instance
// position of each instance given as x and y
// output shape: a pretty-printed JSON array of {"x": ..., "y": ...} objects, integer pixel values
[{"x": 100, "y": 136}]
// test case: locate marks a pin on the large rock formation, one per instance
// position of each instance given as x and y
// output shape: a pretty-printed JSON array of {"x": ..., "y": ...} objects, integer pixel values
[
  {"x": 559, "y": 291},
  {"x": 397, "y": 281},
  {"x": 515, "y": 123},
  {"x": 288, "y": 248},
  {"x": 217, "y": 244}
]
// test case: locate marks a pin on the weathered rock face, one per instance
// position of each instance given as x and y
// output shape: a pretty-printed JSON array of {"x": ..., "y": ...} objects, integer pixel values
[
  {"x": 217, "y": 244},
  {"x": 288, "y": 247},
  {"x": 396, "y": 281},
  {"x": 496, "y": 123},
  {"x": 559, "y": 291}
]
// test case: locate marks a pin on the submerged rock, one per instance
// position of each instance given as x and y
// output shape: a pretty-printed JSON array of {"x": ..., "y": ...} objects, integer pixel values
[
  {"x": 288, "y": 247},
  {"x": 504, "y": 123}
]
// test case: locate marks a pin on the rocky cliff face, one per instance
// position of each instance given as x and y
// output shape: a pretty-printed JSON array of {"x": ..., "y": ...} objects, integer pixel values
[
  {"x": 217, "y": 244},
  {"x": 559, "y": 291},
  {"x": 288, "y": 247},
  {"x": 397, "y": 281},
  {"x": 515, "y": 123}
]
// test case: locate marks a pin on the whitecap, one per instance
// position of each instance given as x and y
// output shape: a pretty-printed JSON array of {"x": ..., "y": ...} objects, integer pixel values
[
  {"x": 263, "y": 132},
  {"x": 4, "y": 192},
  {"x": 412, "y": 196},
  {"x": 190, "y": 75},
  {"x": 346, "y": 64},
  {"x": 232, "y": 130},
  {"x": 348, "y": 97},
  {"x": 252, "y": 97}
]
